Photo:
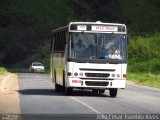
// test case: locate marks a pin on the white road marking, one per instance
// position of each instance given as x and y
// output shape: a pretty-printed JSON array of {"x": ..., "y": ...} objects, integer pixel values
[
  {"x": 78, "y": 101},
  {"x": 85, "y": 105}
]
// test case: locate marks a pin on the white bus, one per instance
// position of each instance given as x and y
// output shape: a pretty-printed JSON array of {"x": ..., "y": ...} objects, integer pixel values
[{"x": 89, "y": 55}]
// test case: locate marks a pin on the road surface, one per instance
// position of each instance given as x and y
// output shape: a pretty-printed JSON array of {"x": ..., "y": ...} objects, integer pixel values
[{"x": 38, "y": 98}]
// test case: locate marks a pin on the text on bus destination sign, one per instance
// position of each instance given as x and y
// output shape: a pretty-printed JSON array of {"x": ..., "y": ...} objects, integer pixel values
[
  {"x": 105, "y": 28},
  {"x": 81, "y": 27}
]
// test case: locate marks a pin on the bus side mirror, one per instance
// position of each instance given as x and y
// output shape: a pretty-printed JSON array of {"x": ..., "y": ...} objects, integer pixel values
[{"x": 128, "y": 39}]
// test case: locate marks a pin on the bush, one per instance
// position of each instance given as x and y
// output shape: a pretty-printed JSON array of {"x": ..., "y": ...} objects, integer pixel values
[
  {"x": 144, "y": 54},
  {"x": 144, "y": 48}
]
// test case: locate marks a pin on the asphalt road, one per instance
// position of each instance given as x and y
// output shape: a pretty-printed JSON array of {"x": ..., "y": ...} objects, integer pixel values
[{"x": 38, "y": 98}]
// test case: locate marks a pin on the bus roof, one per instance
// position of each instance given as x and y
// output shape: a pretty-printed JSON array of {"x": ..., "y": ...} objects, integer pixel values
[
  {"x": 97, "y": 22},
  {"x": 93, "y": 27}
]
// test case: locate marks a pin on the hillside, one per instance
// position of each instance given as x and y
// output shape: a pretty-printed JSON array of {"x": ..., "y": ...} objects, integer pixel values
[{"x": 25, "y": 27}]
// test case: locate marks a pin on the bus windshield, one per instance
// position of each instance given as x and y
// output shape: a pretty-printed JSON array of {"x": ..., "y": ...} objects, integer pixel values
[{"x": 107, "y": 46}]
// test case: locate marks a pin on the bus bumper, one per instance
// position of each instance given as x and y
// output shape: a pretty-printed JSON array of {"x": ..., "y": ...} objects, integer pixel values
[{"x": 101, "y": 84}]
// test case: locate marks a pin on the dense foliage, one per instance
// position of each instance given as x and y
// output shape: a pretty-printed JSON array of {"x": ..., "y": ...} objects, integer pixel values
[
  {"x": 25, "y": 26},
  {"x": 144, "y": 54}
]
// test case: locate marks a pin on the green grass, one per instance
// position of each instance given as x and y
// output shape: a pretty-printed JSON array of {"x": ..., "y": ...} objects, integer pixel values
[
  {"x": 22, "y": 70},
  {"x": 144, "y": 48},
  {"x": 18, "y": 70},
  {"x": 144, "y": 60},
  {"x": 146, "y": 79},
  {"x": 146, "y": 66},
  {"x": 3, "y": 70}
]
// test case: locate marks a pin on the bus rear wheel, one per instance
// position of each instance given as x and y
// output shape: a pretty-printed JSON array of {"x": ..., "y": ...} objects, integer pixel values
[
  {"x": 56, "y": 86},
  {"x": 113, "y": 92}
]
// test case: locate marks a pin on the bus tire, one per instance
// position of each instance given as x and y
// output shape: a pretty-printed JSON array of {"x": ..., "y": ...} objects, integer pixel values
[
  {"x": 32, "y": 71},
  {"x": 56, "y": 86},
  {"x": 68, "y": 90},
  {"x": 113, "y": 92},
  {"x": 95, "y": 91},
  {"x": 63, "y": 87},
  {"x": 101, "y": 91}
]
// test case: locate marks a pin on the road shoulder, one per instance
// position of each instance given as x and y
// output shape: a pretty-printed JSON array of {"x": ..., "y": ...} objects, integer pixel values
[{"x": 9, "y": 96}]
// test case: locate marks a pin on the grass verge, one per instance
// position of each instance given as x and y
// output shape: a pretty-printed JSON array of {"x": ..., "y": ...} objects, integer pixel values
[
  {"x": 17, "y": 70},
  {"x": 146, "y": 79},
  {"x": 3, "y": 70},
  {"x": 22, "y": 70}
]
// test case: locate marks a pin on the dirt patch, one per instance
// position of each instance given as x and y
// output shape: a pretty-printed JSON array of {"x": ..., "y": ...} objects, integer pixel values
[
  {"x": 9, "y": 96},
  {"x": 2, "y": 76}
]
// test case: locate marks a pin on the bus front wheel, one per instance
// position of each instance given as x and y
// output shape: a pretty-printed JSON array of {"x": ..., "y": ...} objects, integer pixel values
[
  {"x": 68, "y": 90},
  {"x": 102, "y": 91},
  {"x": 113, "y": 92},
  {"x": 57, "y": 87},
  {"x": 94, "y": 91}
]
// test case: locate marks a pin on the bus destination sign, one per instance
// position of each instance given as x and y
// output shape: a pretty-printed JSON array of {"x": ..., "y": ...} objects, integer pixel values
[
  {"x": 97, "y": 27},
  {"x": 105, "y": 28}
]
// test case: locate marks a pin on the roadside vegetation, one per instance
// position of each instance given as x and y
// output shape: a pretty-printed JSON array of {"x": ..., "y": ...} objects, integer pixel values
[
  {"x": 3, "y": 70},
  {"x": 146, "y": 79},
  {"x": 144, "y": 60}
]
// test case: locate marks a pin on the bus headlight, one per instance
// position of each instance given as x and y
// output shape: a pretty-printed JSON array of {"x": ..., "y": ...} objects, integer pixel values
[
  {"x": 80, "y": 74},
  {"x": 113, "y": 75},
  {"x": 118, "y": 75},
  {"x": 75, "y": 74}
]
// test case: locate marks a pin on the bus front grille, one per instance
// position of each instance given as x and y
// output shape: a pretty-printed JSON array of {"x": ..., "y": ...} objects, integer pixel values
[
  {"x": 97, "y": 74},
  {"x": 94, "y": 83}
]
